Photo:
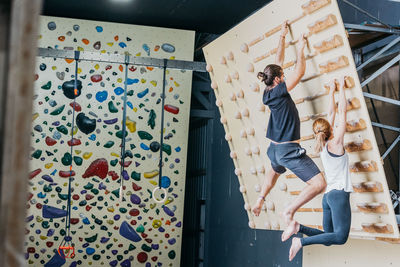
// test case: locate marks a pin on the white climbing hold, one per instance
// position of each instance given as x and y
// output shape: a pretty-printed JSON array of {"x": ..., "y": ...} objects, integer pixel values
[
  {"x": 255, "y": 87},
  {"x": 228, "y": 79},
  {"x": 228, "y": 137},
  {"x": 233, "y": 155},
  {"x": 218, "y": 103},
  {"x": 244, "y": 48},
  {"x": 247, "y": 151},
  {"x": 245, "y": 112},
  {"x": 243, "y": 133},
  {"x": 214, "y": 85},
  {"x": 260, "y": 169},
  {"x": 250, "y": 131},
  {"x": 255, "y": 150},
  {"x": 235, "y": 75},
  {"x": 242, "y": 189},
  {"x": 223, "y": 60},
  {"x": 230, "y": 56},
  {"x": 261, "y": 107},
  {"x": 238, "y": 115},
  {"x": 253, "y": 170},
  {"x": 223, "y": 120},
  {"x": 270, "y": 205},
  {"x": 240, "y": 94},
  {"x": 283, "y": 186},
  {"x": 250, "y": 67},
  {"x": 267, "y": 225},
  {"x": 257, "y": 188},
  {"x": 232, "y": 96},
  {"x": 238, "y": 172},
  {"x": 209, "y": 68}
]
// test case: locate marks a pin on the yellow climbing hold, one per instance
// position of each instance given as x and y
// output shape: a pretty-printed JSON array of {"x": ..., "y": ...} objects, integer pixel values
[
  {"x": 176, "y": 84},
  {"x": 80, "y": 48},
  {"x": 119, "y": 80},
  {"x": 48, "y": 165},
  {"x": 172, "y": 57},
  {"x": 34, "y": 116},
  {"x": 152, "y": 205},
  {"x": 167, "y": 72},
  {"x": 138, "y": 54},
  {"x": 131, "y": 125},
  {"x": 110, "y": 44},
  {"x": 65, "y": 184},
  {"x": 157, "y": 223},
  {"x": 153, "y": 182},
  {"x": 110, "y": 209},
  {"x": 169, "y": 200},
  {"x": 39, "y": 219},
  {"x": 114, "y": 154},
  {"x": 78, "y": 151},
  {"x": 150, "y": 174},
  {"x": 135, "y": 109},
  {"x": 110, "y": 222},
  {"x": 43, "y": 237},
  {"x": 75, "y": 130},
  {"x": 143, "y": 80},
  {"x": 154, "y": 83},
  {"x": 103, "y": 51},
  {"x": 54, "y": 68},
  {"x": 87, "y": 155},
  {"x": 79, "y": 70},
  {"x": 96, "y": 66}
]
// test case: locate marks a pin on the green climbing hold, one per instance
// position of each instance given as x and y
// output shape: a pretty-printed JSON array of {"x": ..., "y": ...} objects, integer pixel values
[
  {"x": 119, "y": 134},
  {"x": 140, "y": 229},
  {"x": 78, "y": 160},
  {"x": 62, "y": 129},
  {"x": 114, "y": 162},
  {"x": 115, "y": 192},
  {"x": 91, "y": 239},
  {"x": 145, "y": 135},
  {"x": 130, "y": 93},
  {"x": 37, "y": 154},
  {"x": 123, "y": 210},
  {"x": 132, "y": 146},
  {"x": 58, "y": 110},
  {"x": 137, "y": 155},
  {"x": 152, "y": 116},
  {"x": 95, "y": 191},
  {"x": 63, "y": 196},
  {"x": 66, "y": 160},
  {"x": 146, "y": 248},
  {"x": 88, "y": 186},
  {"x": 135, "y": 176},
  {"x": 45, "y": 224},
  {"x": 96, "y": 257},
  {"x": 47, "y": 188},
  {"x": 167, "y": 149},
  {"x": 109, "y": 144},
  {"x": 112, "y": 108},
  {"x": 120, "y": 257},
  {"x": 131, "y": 247},
  {"x": 47, "y": 86},
  {"x": 62, "y": 232},
  {"x": 171, "y": 254},
  {"x": 109, "y": 246}
]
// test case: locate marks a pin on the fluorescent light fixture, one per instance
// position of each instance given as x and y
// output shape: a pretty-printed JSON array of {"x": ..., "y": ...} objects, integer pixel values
[{"x": 121, "y": 1}]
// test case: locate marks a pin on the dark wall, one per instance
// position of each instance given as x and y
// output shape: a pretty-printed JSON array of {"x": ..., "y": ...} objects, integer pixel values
[{"x": 228, "y": 240}]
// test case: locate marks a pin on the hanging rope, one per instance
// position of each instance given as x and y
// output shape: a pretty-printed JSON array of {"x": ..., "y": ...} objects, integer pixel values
[
  {"x": 121, "y": 188},
  {"x": 67, "y": 239},
  {"x": 161, "y": 139}
]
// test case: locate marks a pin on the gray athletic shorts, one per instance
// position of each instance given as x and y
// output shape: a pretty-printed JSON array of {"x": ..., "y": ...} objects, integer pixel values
[{"x": 293, "y": 157}]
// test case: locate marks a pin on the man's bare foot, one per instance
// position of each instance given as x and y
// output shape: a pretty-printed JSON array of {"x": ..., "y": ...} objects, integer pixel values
[
  {"x": 287, "y": 216},
  {"x": 292, "y": 229},
  {"x": 296, "y": 246}
]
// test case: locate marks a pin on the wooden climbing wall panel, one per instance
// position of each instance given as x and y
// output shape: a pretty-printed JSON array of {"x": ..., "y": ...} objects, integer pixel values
[
  {"x": 233, "y": 62},
  {"x": 105, "y": 230}
]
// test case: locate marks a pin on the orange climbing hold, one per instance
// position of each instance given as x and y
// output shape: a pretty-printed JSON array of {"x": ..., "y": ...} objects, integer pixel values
[
  {"x": 116, "y": 38},
  {"x": 61, "y": 38},
  {"x": 69, "y": 60},
  {"x": 121, "y": 68},
  {"x": 85, "y": 41}
]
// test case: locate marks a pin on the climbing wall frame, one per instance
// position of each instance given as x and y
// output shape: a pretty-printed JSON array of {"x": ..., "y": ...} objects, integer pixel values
[
  {"x": 105, "y": 230},
  {"x": 233, "y": 62}
]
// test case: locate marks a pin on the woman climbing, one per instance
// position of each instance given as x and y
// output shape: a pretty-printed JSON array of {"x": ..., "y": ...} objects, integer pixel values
[
  {"x": 335, "y": 202},
  {"x": 284, "y": 131}
]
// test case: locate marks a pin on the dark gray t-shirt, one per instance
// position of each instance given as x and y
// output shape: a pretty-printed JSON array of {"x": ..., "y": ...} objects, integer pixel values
[{"x": 284, "y": 122}]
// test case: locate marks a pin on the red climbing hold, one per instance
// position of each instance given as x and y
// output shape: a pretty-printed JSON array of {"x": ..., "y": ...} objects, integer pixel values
[
  {"x": 50, "y": 141},
  {"x": 154, "y": 258},
  {"x": 31, "y": 250},
  {"x": 126, "y": 163},
  {"x": 143, "y": 235},
  {"x": 74, "y": 220},
  {"x": 34, "y": 173},
  {"x": 30, "y": 195},
  {"x": 142, "y": 257},
  {"x": 114, "y": 175},
  {"x": 77, "y": 106},
  {"x": 96, "y": 78},
  {"x": 89, "y": 196},
  {"x": 148, "y": 240},
  {"x": 172, "y": 109},
  {"x": 88, "y": 207},
  {"x": 39, "y": 206},
  {"x": 132, "y": 68},
  {"x": 99, "y": 168},
  {"x": 75, "y": 197},
  {"x": 134, "y": 212},
  {"x": 75, "y": 142},
  {"x": 136, "y": 187},
  {"x": 49, "y": 244},
  {"x": 66, "y": 174}
]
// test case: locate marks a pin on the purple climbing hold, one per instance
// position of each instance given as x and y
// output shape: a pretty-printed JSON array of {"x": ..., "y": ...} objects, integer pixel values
[
  {"x": 135, "y": 199},
  {"x": 29, "y": 218},
  {"x": 168, "y": 211},
  {"x": 52, "y": 212},
  {"x": 128, "y": 232},
  {"x": 126, "y": 263},
  {"x": 125, "y": 175},
  {"x": 47, "y": 178},
  {"x": 113, "y": 263},
  {"x": 104, "y": 239}
]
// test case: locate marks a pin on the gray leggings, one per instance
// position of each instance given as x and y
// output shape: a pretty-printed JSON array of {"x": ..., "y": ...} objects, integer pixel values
[{"x": 336, "y": 221}]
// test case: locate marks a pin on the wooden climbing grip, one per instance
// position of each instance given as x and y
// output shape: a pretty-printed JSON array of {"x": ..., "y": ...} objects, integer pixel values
[
  {"x": 333, "y": 64},
  {"x": 368, "y": 187},
  {"x": 314, "y": 5},
  {"x": 372, "y": 207},
  {"x": 328, "y": 44},
  {"x": 358, "y": 146},
  {"x": 355, "y": 125},
  {"x": 322, "y": 24},
  {"x": 364, "y": 166}
]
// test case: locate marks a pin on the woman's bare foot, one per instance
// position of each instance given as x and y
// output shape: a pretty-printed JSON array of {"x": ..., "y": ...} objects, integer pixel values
[
  {"x": 292, "y": 229},
  {"x": 296, "y": 246},
  {"x": 287, "y": 216}
]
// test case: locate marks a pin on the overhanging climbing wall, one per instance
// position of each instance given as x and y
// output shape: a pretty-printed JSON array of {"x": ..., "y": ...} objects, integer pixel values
[
  {"x": 104, "y": 230},
  {"x": 233, "y": 62}
]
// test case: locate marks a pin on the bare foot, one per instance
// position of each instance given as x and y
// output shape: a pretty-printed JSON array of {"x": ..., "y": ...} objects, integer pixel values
[
  {"x": 296, "y": 246},
  {"x": 287, "y": 216},
  {"x": 292, "y": 229}
]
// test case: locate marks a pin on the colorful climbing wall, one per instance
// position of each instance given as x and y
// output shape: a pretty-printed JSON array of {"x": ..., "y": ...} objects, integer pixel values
[
  {"x": 105, "y": 230},
  {"x": 233, "y": 62}
]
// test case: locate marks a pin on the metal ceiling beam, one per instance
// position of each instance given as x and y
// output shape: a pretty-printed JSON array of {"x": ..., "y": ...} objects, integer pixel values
[
  {"x": 120, "y": 59},
  {"x": 370, "y": 28}
]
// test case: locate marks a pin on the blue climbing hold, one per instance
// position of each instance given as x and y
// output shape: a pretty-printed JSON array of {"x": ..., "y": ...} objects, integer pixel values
[
  {"x": 118, "y": 91},
  {"x": 144, "y": 147},
  {"x": 101, "y": 96},
  {"x": 143, "y": 93},
  {"x": 90, "y": 250},
  {"x": 165, "y": 182},
  {"x": 132, "y": 81},
  {"x": 52, "y": 212},
  {"x": 146, "y": 48},
  {"x": 122, "y": 44},
  {"x": 128, "y": 232},
  {"x": 129, "y": 104},
  {"x": 56, "y": 261},
  {"x": 99, "y": 29}
]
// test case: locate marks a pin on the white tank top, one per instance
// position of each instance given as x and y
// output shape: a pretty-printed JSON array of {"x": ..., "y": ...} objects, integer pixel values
[{"x": 337, "y": 172}]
